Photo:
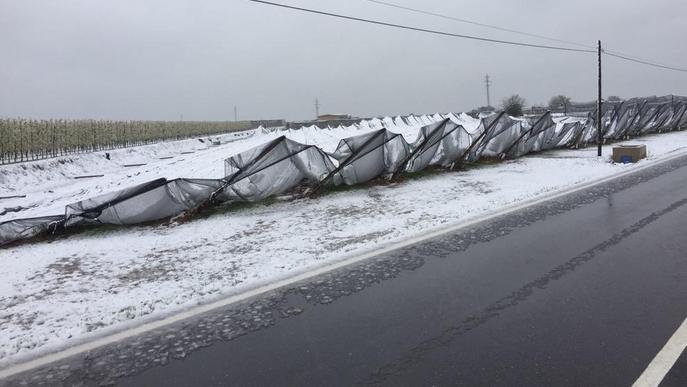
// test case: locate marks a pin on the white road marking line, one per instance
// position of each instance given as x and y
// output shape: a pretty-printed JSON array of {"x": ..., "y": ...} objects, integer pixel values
[
  {"x": 665, "y": 359},
  {"x": 356, "y": 257}
]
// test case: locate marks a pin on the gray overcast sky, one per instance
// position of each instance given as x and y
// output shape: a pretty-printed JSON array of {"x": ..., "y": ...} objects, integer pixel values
[{"x": 133, "y": 59}]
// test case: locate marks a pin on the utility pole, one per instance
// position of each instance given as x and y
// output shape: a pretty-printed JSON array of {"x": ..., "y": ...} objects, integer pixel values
[
  {"x": 598, "y": 107},
  {"x": 236, "y": 114},
  {"x": 488, "y": 83},
  {"x": 317, "y": 108}
]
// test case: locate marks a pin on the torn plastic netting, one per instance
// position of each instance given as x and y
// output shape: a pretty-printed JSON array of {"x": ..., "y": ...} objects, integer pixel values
[
  {"x": 547, "y": 134},
  {"x": 19, "y": 229},
  {"x": 662, "y": 117},
  {"x": 151, "y": 201},
  {"x": 368, "y": 156},
  {"x": 681, "y": 123},
  {"x": 647, "y": 116},
  {"x": 588, "y": 133},
  {"x": 439, "y": 144},
  {"x": 272, "y": 169},
  {"x": 633, "y": 120},
  {"x": 563, "y": 132},
  {"x": 495, "y": 135},
  {"x": 622, "y": 120},
  {"x": 535, "y": 138},
  {"x": 680, "y": 114},
  {"x": 578, "y": 134}
]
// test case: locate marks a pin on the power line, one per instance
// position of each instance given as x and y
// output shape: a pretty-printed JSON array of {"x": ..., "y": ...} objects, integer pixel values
[
  {"x": 387, "y": 4},
  {"x": 418, "y": 29},
  {"x": 643, "y": 62},
  {"x": 613, "y": 53},
  {"x": 479, "y": 38}
]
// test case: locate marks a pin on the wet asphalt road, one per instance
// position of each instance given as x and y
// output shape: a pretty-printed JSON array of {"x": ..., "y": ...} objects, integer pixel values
[{"x": 581, "y": 290}]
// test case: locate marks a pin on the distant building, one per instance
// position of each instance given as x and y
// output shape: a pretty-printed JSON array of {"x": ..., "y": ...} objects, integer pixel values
[
  {"x": 333, "y": 117},
  {"x": 538, "y": 110}
]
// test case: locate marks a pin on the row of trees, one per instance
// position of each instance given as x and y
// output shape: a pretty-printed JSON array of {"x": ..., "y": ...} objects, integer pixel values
[
  {"x": 515, "y": 104},
  {"x": 26, "y": 139}
]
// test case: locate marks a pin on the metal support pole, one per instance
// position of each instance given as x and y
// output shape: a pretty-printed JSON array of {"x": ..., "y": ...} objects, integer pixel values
[
  {"x": 488, "y": 83},
  {"x": 598, "y": 108}
]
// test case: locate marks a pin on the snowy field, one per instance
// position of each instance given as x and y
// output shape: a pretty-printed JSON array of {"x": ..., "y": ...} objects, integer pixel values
[
  {"x": 53, "y": 294},
  {"x": 49, "y": 185}
]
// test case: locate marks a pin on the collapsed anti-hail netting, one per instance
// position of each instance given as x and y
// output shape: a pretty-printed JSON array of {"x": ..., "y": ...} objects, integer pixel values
[
  {"x": 282, "y": 164},
  {"x": 368, "y": 156},
  {"x": 534, "y": 138},
  {"x": 588, "y": 134},
  {"x": 569, "y": 133},
  {"x": 627, "y": 113},
  {"x": 493, "y": 136},
  {"x": 19, "y": 229},
  {"x": 440, "y": 144},
  {"x": 272, "y": 169},
  {"x": 640, "y": 116},
  {"x": 147, "y": 202}
]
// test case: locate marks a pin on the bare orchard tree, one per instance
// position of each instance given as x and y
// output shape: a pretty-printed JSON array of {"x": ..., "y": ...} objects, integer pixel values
[
  {"x": 559, "y": 101},
  {"x": 513, "y": 105}
]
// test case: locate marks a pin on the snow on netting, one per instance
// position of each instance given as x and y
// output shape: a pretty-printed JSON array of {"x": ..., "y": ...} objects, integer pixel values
[
  {"x": 282, "y": 164},
  {"x": 494, "y": 135},
  {"x": 440, "y": 144},
  {"x": 569, "y": 131},
  {"x": 368, "y": 156},
  {"x": 625, "y": 115},
  {"x": 534, "y": 138},
  {"x": 272, "y": 169}
]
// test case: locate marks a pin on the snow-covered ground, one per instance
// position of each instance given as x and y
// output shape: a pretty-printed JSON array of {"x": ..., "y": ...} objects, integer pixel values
[
  {"x": 55, "y": 293},
  {"x": 49, "y": 185}
]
